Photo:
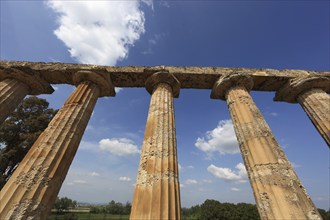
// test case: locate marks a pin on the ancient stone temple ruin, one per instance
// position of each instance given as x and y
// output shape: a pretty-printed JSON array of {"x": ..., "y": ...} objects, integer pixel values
[{"x": 32, "y": 189}]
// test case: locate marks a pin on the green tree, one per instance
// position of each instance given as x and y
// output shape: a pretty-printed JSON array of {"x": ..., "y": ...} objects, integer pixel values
[
  {"x": 325, "y": 214},
  {"x": 62, "y": 204},
  {"x": 19, "y": 131}
]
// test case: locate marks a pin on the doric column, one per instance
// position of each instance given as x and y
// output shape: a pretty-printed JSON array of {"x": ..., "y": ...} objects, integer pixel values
[
  {"x": 278, "y": 192},
  {"x": 311, "y": 94},
  {"x": 15, "y": 85},
  {"x": 157, "y": 191},
  {"x": 31, "y": 191}
]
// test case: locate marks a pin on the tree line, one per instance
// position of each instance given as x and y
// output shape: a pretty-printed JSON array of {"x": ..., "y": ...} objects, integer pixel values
[
  {"x": 115, "y": 208},
  {"x": 209, "y": 209}
]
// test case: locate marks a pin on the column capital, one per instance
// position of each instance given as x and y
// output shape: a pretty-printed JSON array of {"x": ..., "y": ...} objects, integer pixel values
[
  {"x": 35, "y": 83},
  {"x": 163, "y": 77},
  {"x": 294, "y": 87},
  {"x": 225, "y": 82},
  {"x": 103, "y": 81}
]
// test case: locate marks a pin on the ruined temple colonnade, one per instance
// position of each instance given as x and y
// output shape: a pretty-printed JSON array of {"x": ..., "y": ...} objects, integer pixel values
[{"x": 279, "y": 194}]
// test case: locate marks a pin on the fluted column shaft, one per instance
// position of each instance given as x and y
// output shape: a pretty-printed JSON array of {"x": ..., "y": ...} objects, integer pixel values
[
  {"x": 32, "y": 189},
  {"x": 310, "y": 93},
  {"x": 316, "y": 104},
  {"x": 15, "y": 85},
  {"x": 157, "y": 190},
  {"x": 278, "y": 192},
  {"x": 12, "y": 92}
]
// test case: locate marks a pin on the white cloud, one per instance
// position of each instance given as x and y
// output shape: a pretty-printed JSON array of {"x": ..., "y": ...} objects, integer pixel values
[
  {"x": 221, "y": 139},
  {"x": 190, "y": 182},
  {"x": 99, "y": 32},
  {"x": 125, "y": 178},
  {"x": 206, "y": 181},
  {"x": 119, "y": 146},
  {"x": 165, "y": 4},
  {"x": 75, "y": 182},
  {"x": 229, "y": 175},
  {"x": 274, "y": 114},
  {"x": 118, "y": 89},
  {"x": 87, "y": 145},
  {"x": 295, "y": 165},
  {"x": 235, "y": 189},
  {"x": 180, "y": 167},
  {"x": 93, "y": 174}
]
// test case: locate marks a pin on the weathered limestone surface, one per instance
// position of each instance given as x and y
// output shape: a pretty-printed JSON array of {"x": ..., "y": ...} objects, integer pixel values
[
  {"x": 310, "y": 93},
  {"x": 32, "y": 190},
  {"x": 316, "y": 104},
  {"x": 15, "y": 85},
  {"x": 135, "y": 76},
  {"x": 278, "y": 192},
  {"x": 12, "y": 92},
  {"x": 157, "y": 191}
]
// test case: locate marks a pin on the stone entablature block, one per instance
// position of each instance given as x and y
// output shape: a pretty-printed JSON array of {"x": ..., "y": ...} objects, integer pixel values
[
  {"x": 297, "y": 86},
  {"x": 136, "y": 76},
  {"x": 35, "y": 83}
]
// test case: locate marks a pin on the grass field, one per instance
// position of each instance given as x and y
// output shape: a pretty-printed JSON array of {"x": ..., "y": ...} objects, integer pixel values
[{"x": 89, "y": 216}]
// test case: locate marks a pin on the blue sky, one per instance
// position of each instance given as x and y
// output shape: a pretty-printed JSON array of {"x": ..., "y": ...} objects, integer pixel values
[{"x": 261, "y": 34}]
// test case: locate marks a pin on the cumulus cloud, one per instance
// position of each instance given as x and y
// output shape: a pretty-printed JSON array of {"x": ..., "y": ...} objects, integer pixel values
[
  {"x": 227, "y": 174},
  {"x": 99, "y": 32},
  {"x": 274, "y": 114},
  {"x": 235, "y": 189},
  {"x": 190, "y": 182},
  {"x": 221, "y": 139},
  {"x": 93, "y": 174},
  {"x": 125, "y": 178},
  {"x": 295, "y": 165},
  {"x": 119, "y": 146},
  {"x": 75, "y": 182}
]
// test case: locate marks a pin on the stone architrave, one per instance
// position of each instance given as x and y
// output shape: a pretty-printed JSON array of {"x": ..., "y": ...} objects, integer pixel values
[
  {"x": 15, "y": 85},
  {"x": 157, "y": 190},
  {"x": 31, "y": 191},
  {"x": 310, "y": 93},
  {"x": 278, "y": 192}
]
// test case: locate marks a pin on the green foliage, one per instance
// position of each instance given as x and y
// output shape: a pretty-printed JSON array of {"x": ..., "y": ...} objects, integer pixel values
[
  {"x": 20, "y": 131},
  {"x": 90, "y": 216},
  {"x": 325, "y": 214},
  {"x": 62, "y": 204},
  {"x": 70, "y": 216},
  {"x": 115, "y": 208},
  {"x": 212, "y": 209},
  {"x": 193, "y": 212}
]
